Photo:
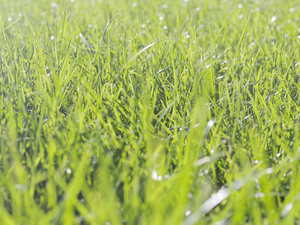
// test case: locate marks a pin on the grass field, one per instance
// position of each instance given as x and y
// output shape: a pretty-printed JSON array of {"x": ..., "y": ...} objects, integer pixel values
[{"x": 158, "y": 112}]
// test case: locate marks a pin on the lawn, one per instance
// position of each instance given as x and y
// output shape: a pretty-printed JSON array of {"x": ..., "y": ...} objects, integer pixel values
[{"x": 149, "y": 112}]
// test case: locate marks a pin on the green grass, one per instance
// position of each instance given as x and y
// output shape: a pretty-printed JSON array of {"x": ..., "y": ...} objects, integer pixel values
[{"x": 158, "y": 112}]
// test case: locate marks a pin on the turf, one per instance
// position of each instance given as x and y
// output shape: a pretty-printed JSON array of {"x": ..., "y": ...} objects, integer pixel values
[{"x": 158, "y": 112}]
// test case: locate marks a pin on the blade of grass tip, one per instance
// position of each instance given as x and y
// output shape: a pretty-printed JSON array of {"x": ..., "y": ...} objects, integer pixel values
[
  {"x": 218, "y": 35},
  {"x": 161, "y": 58},
  {"x": 49, "y": 32},
  {"x": 65, "y": 21},
  {"x": 65, "y": 64},
  {"x": 6, "y": 42},
  {"x": 115, "y": 30},
  {"x": 253, "y": 62},
  {"x": 64, "y": 29},
  {"x": 107, "y": 25},
  {"x": 165, "y": 112},
  {"x": 86, "y": 42},
  {"x": 137, "y": 54},
  {"x": 12, "y": 24},
  {"x": 184, "y": 25},
  {"x": 29, "y": 24},
  {"x": 240, "y": 41},
  {"x": 41, "y": 57},
  {"x": 202, "y": 161},
  {"x": 162, "y": 70},
  {"x": 230, "y": 71}
]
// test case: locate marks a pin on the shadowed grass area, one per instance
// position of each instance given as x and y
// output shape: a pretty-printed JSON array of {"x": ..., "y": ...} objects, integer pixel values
[{"x": 158, "y": 112}]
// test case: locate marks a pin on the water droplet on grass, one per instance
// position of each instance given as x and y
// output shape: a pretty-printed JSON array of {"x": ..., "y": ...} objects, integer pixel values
[
  {"x": 54, "y": 5},
  {"x": 286, "y": 209},
  {"x": 167, "y": 176},
  {"x": 269, "y": 170},
  {"x": 259, "y": 195},
  {"x": 274, "y": 18},
  {"x": 154, "y": 175}
]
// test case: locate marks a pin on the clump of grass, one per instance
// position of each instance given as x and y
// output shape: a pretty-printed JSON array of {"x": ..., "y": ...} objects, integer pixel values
[{"x": 173, "y": 112}]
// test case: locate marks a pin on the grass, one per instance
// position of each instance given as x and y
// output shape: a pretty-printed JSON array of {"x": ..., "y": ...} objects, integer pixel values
[{"x": 165, "y": 112}]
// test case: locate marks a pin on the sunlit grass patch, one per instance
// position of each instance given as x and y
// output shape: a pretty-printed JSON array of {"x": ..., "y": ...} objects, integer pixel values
[{"x": 165, "y": 112}]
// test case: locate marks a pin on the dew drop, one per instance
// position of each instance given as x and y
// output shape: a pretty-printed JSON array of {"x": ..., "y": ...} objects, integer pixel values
[
  {"x": 273, "y": 19},
  {"x": 187, "y": 212},
  {"x": 54, "y": 5}
]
